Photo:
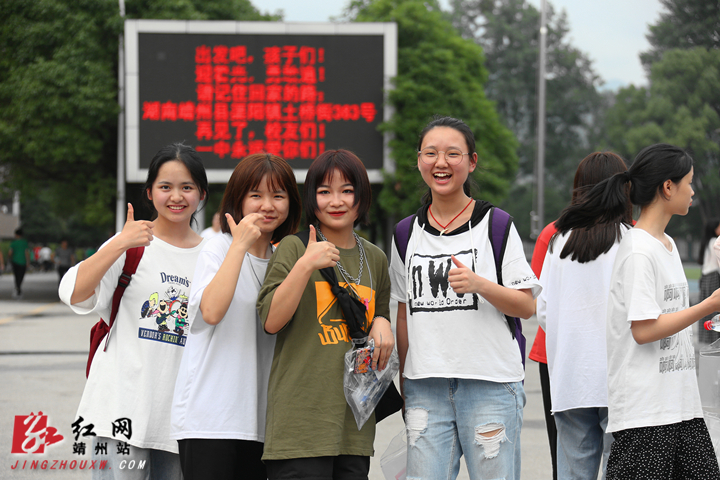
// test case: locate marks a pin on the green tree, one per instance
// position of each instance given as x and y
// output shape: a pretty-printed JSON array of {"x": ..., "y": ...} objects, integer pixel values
[
  {"x": 507, "y": 30},
  {"x": 681, "y": 107},
  {"x": 439, "y": 72},
  {"x": 685, "y": 24},
  {"x": 58, "y": 91}
]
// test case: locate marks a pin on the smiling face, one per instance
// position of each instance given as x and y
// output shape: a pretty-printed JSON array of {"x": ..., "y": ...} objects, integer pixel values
[
  {"x": 444, "y": 179},
  {"x": 336, "y": 203},
  {"x": 274, "y": 204},
  {"x": 174, "y": 193}
]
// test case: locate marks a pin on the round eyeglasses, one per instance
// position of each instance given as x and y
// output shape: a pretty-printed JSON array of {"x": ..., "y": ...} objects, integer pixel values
[{"x": 430, "y": 155}]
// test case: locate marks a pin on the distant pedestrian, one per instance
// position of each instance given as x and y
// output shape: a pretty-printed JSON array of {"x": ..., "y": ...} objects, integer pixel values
[
  {"x": 45, "y": 258},
  {"x": 19, "y": 254},
  {"x": 89, "y": 252},
  {"x": 654, "y": 409},
  {"x": 64, "y": 258},
  {"x": 213, "y": 229}
]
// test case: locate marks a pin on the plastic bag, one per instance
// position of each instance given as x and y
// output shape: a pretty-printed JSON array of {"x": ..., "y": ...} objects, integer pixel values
[
  {"x": 364, "y": 390},
  {"x": 394, "y": 461}
]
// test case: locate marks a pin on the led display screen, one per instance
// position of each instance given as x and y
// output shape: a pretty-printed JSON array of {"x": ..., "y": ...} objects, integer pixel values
[{"x": 233, "y": 94}]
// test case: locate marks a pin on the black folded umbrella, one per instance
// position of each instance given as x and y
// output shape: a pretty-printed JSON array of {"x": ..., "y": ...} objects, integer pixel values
[{"x": 353, "y": 309}]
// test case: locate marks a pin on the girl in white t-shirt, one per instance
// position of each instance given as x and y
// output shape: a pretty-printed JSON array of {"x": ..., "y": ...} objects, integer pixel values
[
  {"x": 218, "y": 411},
  {"x": 127, "y": 397},
  {"x": 653, "y": 399},
  {"x": 578, "y": 266},
  {"x": 461, "y": 365}
]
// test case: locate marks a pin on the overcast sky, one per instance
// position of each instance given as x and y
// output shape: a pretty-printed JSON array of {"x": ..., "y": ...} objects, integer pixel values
[{"x": 611, "y": 32}]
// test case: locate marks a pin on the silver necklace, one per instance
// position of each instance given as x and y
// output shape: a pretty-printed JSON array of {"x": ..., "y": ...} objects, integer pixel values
[
  {"x": 348, "y": 278},
  {"x": 249, "y": 260}
]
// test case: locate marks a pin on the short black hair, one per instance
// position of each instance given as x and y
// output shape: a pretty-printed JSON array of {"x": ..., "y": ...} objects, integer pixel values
[{"x": 348, "y": 165}]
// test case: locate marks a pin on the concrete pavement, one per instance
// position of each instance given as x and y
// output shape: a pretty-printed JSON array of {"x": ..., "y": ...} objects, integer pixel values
[{"x": 43, "y": 352}]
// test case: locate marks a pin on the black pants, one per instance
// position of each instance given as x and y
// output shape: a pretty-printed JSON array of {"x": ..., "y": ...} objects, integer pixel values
[
  {"x": 221, "y": 459},
  {"x": 549, "y": 419},
  {"x": 342, "y": 467},
  {"x": 19, "y": 273}
]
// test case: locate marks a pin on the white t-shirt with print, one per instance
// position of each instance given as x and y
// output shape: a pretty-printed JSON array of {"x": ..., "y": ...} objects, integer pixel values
[
  {"x": 221, "y": 389},
  {"x": 454, "y": 335},
  {"x": 134, "y": 377},
  {"x": 652, "y": 384}
]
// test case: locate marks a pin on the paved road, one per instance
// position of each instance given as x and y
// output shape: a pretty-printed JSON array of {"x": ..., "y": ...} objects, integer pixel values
[{"x": 43, "y": 351}]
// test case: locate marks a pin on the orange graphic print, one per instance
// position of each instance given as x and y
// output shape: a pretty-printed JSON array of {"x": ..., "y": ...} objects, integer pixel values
[{"x": 334, "y": 330}]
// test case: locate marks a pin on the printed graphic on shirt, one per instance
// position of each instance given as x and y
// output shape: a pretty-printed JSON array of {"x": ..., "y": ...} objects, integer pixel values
[
  {"x": 676, "y": 351},
  {"x": 163, "y": 316},
  {"x": 430, "y": 288},
  {"x": 335, "y": 330}
]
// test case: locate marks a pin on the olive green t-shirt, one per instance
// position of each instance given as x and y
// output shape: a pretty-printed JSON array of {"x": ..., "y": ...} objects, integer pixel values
[{"x": 307, "y": 414}]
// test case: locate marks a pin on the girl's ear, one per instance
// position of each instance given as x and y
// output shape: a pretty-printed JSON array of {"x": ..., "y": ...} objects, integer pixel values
[
  {"x": 473, "y": 162},
  {"x": 668, "y": 187},
  {"x": 149, "y": 195}
]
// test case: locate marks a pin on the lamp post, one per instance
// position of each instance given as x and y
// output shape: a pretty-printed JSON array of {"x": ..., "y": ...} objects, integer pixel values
[
  {"x": 120, "y": 206},
  {"x": 538, "y": 216}
]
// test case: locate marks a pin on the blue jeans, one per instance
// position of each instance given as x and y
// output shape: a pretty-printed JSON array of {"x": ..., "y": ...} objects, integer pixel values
[
  {"x": 582, "y": 442},
  {"x": 448, "y": 417}
]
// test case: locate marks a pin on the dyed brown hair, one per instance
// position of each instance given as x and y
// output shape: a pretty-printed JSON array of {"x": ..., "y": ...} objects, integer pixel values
[{"x": 247, "y": 176}]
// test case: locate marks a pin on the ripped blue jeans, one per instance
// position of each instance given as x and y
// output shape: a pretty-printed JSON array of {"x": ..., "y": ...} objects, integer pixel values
[{"x": 450, "y": 417}]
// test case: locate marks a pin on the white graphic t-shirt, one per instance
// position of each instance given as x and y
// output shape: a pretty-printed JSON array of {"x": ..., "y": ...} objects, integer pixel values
[
  {"x": 129, "y": 391},
  {"x": 652, "y": 384},
  {"x": 452, "y": 335}
]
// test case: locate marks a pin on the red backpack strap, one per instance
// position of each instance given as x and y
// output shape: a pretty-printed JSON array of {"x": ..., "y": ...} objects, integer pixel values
[{"x": 132, "y": 260}]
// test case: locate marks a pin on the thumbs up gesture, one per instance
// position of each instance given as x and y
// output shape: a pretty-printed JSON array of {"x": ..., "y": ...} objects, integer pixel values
[
  {"x": 136, "y": 233},
  {"x": 320, "y": 254},
  {"x": 461, "y": 278}
]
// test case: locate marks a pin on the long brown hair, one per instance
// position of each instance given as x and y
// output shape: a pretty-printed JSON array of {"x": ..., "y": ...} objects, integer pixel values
[{"x": 586, "y": 244}]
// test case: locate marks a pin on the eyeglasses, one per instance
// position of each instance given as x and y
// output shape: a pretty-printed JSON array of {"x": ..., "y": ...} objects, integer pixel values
[{"x": 429, "y": 156}]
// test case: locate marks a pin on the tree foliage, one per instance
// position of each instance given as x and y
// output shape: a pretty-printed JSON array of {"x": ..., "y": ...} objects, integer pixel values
[
  {"x": 685, "y": 24},
  {"x": 58, "y": 91},
  {"x": 439, "y": 72},
  {"x": 508, "y": 31},
  {"x": 681, "y": 107}
]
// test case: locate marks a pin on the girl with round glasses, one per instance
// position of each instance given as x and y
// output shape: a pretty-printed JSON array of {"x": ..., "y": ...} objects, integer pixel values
[{"x": 461, "y": 365}]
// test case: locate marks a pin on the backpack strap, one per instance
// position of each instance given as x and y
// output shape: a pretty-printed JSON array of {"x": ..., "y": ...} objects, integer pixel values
[
  {"x": 402, "y": 235},
  {"x": 498, "y": 229},
  {"x": 132, "y": 260}
]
